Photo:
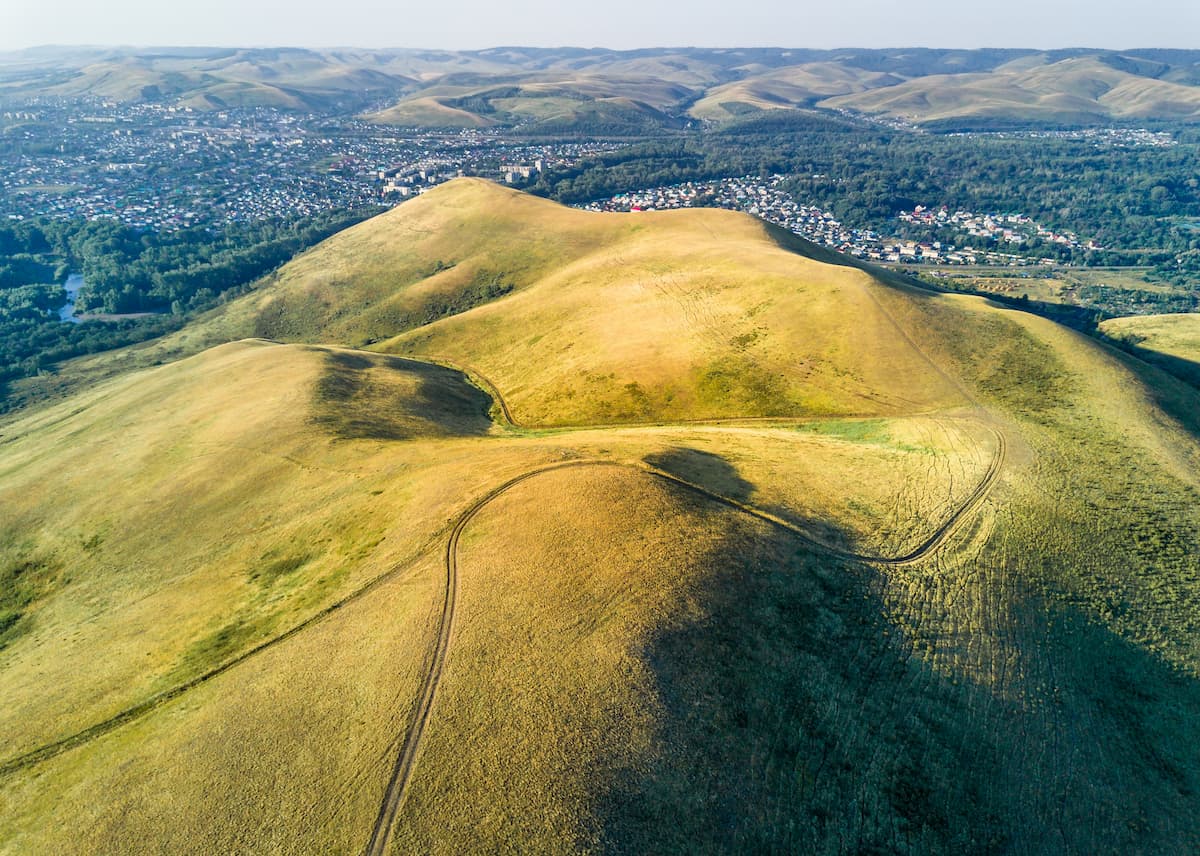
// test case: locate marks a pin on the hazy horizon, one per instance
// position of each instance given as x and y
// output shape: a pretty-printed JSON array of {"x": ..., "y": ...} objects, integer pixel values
[{"x": 625, "y": 25}]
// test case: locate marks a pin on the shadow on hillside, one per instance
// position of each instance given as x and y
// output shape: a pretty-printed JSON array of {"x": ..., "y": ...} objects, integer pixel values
[
  {"x": 796, "y": 717},
  {"x": 713, "y": 472},
  {"x": 705, "y": 469},
  {"x": 1186, "y": 370},
  {"x": 365, "y": 396}
]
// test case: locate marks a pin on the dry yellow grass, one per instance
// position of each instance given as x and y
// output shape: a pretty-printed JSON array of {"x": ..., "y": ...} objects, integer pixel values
[
  {"x": 1173, "y": 335},
  {"x": 679, "y": 315},
  {"x": 611, "y": 317},
  {"x": 221, "y": 501},
  {"x": 787, "y": 88},
  {"x": 649, "y": 649},
  {"x": 428, "y": 111},
  {"x": 1068, "y": 90}
]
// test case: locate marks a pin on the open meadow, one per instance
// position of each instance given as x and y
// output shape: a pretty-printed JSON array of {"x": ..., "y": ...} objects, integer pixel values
[{"x": 491, "y": 525}]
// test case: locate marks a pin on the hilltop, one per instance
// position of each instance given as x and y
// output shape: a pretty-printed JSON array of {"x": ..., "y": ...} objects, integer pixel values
[
  {"x": 535, "y": 529},
  {"x": 550, "y": 91},
  {"x": 1080, "y": 90},
  {"x": 672, "y": 315}
]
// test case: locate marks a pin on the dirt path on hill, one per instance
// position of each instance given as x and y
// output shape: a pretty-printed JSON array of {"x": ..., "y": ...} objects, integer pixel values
[
  {"x": 130, "y": 714},
  {"x": 406, "y": 762}
]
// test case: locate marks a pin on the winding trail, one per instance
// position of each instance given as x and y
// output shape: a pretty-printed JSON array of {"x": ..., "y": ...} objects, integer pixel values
[
  {"x": 406, "y": 762},
  {"x": 137, "y": 711}
]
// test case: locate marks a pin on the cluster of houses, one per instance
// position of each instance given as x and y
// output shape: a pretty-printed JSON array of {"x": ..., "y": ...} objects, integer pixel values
[
  {"x": 166, "y": 168},
  {"x": 1013, "y": 229},
  {"x": 1122, "y": 138},
  {"x": 408, "y": 179},
  {"x": 762, "y": 197},
  {"x": 767, "y": 198}
]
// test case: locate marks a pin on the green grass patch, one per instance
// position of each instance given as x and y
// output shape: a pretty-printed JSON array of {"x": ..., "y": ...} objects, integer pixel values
[
  {"x": 854, "y": 431},
  {"x": 25, "y": 578},
  {"x": 213, "y": 649},
  {"x": 274, "y": 567},
  {"x": 743, "y": 386}
]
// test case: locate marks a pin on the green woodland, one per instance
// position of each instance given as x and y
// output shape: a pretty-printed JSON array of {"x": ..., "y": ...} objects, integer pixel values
[
  {"x": 1138, "y": 202},
  {"x": 1141, "y": 204},
  {"x": 170, "y": 275}
]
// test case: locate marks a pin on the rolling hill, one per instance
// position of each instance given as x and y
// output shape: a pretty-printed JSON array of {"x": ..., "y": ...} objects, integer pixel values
[
  {"x": 1170, "y": 341},
  {"x": 533, "y": 529},
  {"x": 286, "y": 78},
  {"x": 1078, "y": 90},
  {"x": 540, "y": 101},
  {"x": 790, "y": 87},
  {"x": 1174, "y": 335},
  {"x": 557, "y": 90}
]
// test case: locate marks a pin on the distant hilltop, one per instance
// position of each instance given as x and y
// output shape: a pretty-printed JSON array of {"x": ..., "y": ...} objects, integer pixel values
[{"x": 561, "y": 88}]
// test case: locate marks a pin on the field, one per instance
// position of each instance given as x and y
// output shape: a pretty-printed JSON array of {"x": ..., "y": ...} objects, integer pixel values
[
  {"x": 1110, "y": 291},
  {"x": 553, "y": 531},
  {"x": 786, "y": 88},
  {"x": 1169, "y": 341}
]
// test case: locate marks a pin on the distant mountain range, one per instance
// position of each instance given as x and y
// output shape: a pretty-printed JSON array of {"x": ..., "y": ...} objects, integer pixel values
[{"x": 611, "y": 90}]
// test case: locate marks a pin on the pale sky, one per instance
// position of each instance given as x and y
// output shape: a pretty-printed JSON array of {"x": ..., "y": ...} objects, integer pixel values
[{"x": 622, "y": 24}]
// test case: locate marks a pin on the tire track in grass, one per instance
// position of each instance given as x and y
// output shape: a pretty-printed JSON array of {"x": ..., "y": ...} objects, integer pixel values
[
  {"x": 406, "y": 761},
  {"x": 402, "y": 771},
  {"x": 137, "y": 711},
  {"x": 143, "y": 708}
]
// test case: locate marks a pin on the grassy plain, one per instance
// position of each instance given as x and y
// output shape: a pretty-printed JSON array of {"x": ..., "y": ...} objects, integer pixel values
[{"x": 684, "y": 638}]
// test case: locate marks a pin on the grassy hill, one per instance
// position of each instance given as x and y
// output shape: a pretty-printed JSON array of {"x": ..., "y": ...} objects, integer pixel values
[
  {"x": 559, "y": 90},
  {"x": 664, "y": 315},
  {"x": 1171, "y": 341},
  {"x": 1175, "y": 335},
  {"x": 787, "y": 88},
  {"x": 1074, "y": 90},
  {"x": 695, "y": 541},
  {"x": 610, "y": 102},
  {"x": 288, "y": 79}
]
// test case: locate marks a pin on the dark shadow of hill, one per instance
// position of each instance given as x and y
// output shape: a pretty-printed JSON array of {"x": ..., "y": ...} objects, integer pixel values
[
  {"x": 703, "y": 468},
  {"x": 364, "y": 396},
  {"x": 1172, "y": 382},
  {"x": 797, "y": 716},
  {"x": 716, "y": 474},
  {"x": 1186, "y": 370}
]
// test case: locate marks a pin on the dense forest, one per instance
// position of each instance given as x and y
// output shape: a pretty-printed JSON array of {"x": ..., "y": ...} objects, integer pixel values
[
  {"x": 169, "y": 275},
  {"x": 1141, "y": 203}
]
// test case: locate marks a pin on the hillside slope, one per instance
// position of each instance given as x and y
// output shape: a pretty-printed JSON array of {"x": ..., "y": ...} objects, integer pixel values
[
  {"x": 1172, "y": 335},
  {"x": 1169, "y": 341},
  {"x": 288, "y": 79},
  {"x": 660, "y": 316},
  {"x": 711, "y": 544},
  {"x": 789, "y": 87},
  {"x": 1080, "y": 89},
  {"x": 612, "y": 101}
]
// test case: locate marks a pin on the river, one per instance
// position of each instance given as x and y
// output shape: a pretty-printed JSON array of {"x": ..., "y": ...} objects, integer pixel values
[{"x": 73, "y": 284}]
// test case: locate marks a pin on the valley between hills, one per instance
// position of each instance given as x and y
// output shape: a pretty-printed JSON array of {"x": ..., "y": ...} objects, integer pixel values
[{"x": 493, "y": 525}]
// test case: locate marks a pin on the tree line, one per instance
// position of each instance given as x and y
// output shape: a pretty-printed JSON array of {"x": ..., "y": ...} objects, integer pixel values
[
  {"x": 127, "y": 270},
  {"x": 1141, "y": 203}
]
